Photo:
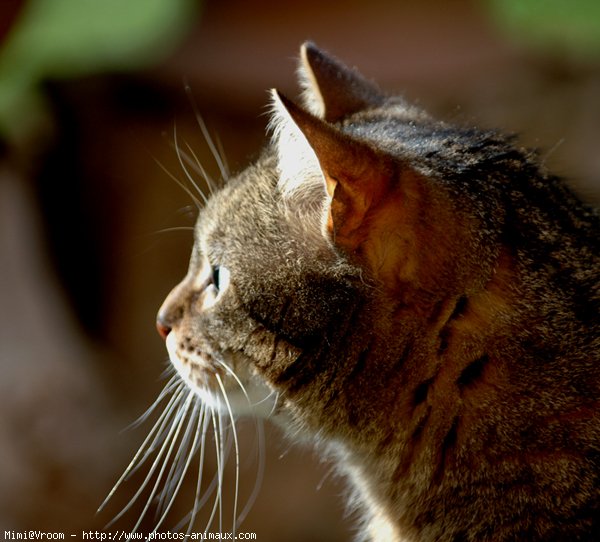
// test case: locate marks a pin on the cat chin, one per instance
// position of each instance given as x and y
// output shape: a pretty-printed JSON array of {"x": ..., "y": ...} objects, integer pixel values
[{"x": 233, "y": 396}]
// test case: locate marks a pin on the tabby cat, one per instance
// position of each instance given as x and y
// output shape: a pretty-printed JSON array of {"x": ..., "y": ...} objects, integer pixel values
[{"x": 420, "y": 299}]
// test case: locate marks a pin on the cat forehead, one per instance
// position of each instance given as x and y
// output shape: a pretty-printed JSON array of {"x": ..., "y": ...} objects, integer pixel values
[{"x": 244, "y": 201}]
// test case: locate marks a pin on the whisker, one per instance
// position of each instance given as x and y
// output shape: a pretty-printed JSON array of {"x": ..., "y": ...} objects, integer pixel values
[
  {"x": 173, "y": 229},
  {"x": 182, "y": 163},
  {"x": 221, "y": 153},
  {"x": 265, "y": 399},
  {"x": 224, "y": 439},
  {"x": 231, "y": 372},
  {"x": 218, "y": 159},
  {"x": 260, "y": 472},
  {"x": 186, "y": 210},
  {"x": 170, "y": 370},
  {"x": 157, "y": 427},
  {"x": 162, "y": 429},
  {"x": 199, "y": 204},
  {"x": 172, "y": 383},
  {"x": 200, "y": 501},
  {"x": 219, "y": 477},
  {"x": 171, "y": 439},
  {"x": 204, "y": 421},
  {"x": 274, "y": 405},
  {"x": 196, "y": 414},
  {"x": 154, "y": 465},
  {"x": 176, "y": 465},
  {"x": 196, "y": 165},
  {"x": 260, "y": 432},
  {"x": 236, "y": 446},
  {"x": 551, "y": 151},
  {"x": 328, "y": 474}
]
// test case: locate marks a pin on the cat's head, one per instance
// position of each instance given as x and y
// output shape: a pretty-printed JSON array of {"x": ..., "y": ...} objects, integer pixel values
[{"x": 309, "y": 259}]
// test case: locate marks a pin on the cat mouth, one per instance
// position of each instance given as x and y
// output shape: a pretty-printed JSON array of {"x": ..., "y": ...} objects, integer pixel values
[{"x": 216, "y": 383}]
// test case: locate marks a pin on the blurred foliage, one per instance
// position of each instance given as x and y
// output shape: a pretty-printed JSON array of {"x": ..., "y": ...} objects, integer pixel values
[
  {"x": 69, "y": 38},
  {"x": 561, "y": 26}
]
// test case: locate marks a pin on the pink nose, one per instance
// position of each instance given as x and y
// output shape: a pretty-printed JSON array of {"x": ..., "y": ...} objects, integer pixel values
[{"x": 162, "y": 328}]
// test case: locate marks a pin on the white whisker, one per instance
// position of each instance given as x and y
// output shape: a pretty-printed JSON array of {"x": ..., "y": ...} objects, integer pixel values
[
  {"x": 172, "y": 383},
  {"x": 231, "y": 372},
  {"x": 260, "y": 432},
  {"x": 161, "y": 427},
  {"x": 169, "y": 440},
  {"x": 217, "y": 156},
  {"x": 199, "y": 204},
  {"x": 216, "y": 481},
  {"x": 221, "y": 153},
  {"x": 267, "y": 398},
  {"x": 236, "y": 446},
  {"x": 154, "y": 465},
  {"x": 274, "y": 405},
  {"x": 219, "y": 477},
  {"x": 184, "y": 167},
  {"x": 156, "y": 429},
  {"x": 180, "y": 432},
  {"x": 196, "y": 414},
  {"x": 186, "y": 210},
  {"x": 196, "y": 165},
  {"x": 224, "y": 439},
  {"x": 173, "y": 229},
  {"x": 180, "y": 458},
  {"x": 205, "y": 421},
  {"x": 200, "y": 500}
]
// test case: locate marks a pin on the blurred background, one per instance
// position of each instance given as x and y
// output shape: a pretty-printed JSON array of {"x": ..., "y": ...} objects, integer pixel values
[{"x": 94, "y": 231}]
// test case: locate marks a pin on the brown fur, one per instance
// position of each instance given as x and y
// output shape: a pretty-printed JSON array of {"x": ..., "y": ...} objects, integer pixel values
[{"x": 424, "y": 300}]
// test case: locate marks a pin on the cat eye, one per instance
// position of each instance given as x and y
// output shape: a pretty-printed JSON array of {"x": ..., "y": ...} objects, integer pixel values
[
  {"x": 216, "y": 276},
  {"x": 220, "y": 277}
]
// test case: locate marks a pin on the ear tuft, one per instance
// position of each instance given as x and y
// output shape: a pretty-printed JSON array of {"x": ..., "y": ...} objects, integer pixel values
[
  {"x": 300, "y": 176},
  {"x": 331, "y": 90},
  {"x": 318, "y": 158},
  {"x": 311, "y": 92}
]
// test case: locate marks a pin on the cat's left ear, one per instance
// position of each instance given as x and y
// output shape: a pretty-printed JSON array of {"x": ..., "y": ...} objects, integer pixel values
[
  {"x": 331, "y": 90},
  {"x": 316, "y": 156}
]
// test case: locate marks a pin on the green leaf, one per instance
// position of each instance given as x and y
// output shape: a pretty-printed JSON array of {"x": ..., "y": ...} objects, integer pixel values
[
  {"x": 69, "y": 38},
  {"x": 571, "y": 26}
]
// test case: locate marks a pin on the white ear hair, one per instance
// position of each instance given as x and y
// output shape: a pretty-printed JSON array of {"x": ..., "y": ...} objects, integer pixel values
[
  {"x": 311, "y": 93},
  {"x": 300, "y": 175}
]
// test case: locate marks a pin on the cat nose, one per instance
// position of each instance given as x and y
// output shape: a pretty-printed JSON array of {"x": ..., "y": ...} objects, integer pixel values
[
  {"x": 162, "y": 328},
  {"x": 172, "y": 310}
]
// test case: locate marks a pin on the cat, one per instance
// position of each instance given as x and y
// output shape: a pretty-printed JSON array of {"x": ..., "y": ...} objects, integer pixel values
[{"x": 420, "y": 300}]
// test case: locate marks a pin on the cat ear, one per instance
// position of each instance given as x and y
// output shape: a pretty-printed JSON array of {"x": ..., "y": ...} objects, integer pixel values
[
  {"x": 353, "y": 175},
  {"x": 331, "y": 90}
]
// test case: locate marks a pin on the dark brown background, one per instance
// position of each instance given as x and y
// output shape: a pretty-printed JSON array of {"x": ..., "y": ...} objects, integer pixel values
[{"x": 84, "y": 264}]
